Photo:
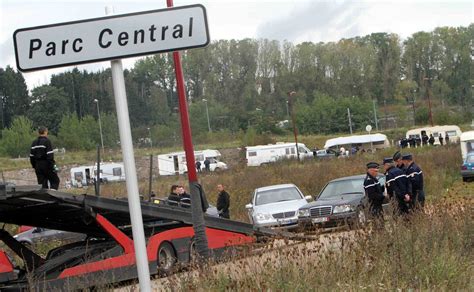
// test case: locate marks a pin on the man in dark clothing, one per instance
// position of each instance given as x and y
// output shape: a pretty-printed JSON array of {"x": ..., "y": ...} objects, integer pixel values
[
  {"x": 198, "y": 166},
  {"x": 431, "y": 140},
  {"x": 223, "y": 202},
  {"x": 446, "y": 138},
  {"x": 173, "y": 198},
  {"x": 424, "y": 139},
  {"x": 373, "y": 190},
  {"x": 397, "y": 158},
  {"x": 397, "y": 185},
  {"x": 440, "y": 138},
  {"x": 415, "y": 176},
  {"x": 184, "y": 198},
  {"x": 412, "y": 142},
  {"x": 42, "y": 160},
  {"x": 207, "y": 164}
]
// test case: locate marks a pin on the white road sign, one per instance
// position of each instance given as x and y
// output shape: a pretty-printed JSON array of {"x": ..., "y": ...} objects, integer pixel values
[{"x": 112, "y": 37}]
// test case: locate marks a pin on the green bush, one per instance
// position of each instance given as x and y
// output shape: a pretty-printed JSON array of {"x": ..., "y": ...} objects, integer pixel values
[{"x": 16, "y": 140}]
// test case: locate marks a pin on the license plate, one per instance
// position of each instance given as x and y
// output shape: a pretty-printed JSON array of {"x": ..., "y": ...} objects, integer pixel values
[
  {"x": 320, "y": 220},
  {"x": 286, "y": 221}
]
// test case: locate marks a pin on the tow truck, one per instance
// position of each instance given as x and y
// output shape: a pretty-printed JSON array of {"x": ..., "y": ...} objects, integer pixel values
[{"x": 107, "y": 255}]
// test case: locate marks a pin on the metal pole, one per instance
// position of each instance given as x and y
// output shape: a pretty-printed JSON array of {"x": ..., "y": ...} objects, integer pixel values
[
  {"x": 97, "y": 175},
  {"x": 202, "y": 246},
  {"x": 207, "y": 113},
  {"x": 427, "y": 85},
  {"x": 293, "y": 121},
  {"x": 100, "y": 125},
  {"x": 150, "y": 183},
  {"x": 375, "y": 116},
  {"x": 350, "y": 121},
  {"x": 130, "y": 173}
]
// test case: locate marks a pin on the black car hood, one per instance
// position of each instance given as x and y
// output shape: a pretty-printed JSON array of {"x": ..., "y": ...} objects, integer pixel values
[{"x": 349, "y": 199}]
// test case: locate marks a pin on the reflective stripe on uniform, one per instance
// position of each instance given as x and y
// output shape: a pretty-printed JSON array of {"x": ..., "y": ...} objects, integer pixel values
[
  {"x": 38, "y": 146},
  {"x": 374, "y": 184},
  {"x": 415, "y": 173},
  {"x": 49, "y": 152},
  {"x": 393, "y": 179}
]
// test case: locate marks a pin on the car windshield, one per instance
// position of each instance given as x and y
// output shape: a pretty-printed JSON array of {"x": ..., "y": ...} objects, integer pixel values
[
  {"x": 470, "y": 159},
  {"x": 350, "y": 187},
  {"x": 277, "y": 195}
]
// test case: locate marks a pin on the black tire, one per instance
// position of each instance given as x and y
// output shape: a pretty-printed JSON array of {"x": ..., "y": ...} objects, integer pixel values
[
  {"x": 360, "y": 219},
  {"x": 166, "y": 260}
]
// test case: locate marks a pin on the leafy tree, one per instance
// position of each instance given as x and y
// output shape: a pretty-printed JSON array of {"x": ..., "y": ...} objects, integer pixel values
[
  {"x": 13, "y": 95},
  {"x": 17, "y": 139},
  {"x": 49, "y": 104},
  {"x": 74, "y": 135}
]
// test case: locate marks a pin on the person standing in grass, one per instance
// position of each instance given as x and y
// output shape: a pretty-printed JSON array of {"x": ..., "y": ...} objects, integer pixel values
[
  {"x": 415, "y": 176},
  {"x": 223, "y": 202},
  {"x": 42, "y": 160},
  {"x": 374, "y": 191},
  {"x": 397, "y": 185}
]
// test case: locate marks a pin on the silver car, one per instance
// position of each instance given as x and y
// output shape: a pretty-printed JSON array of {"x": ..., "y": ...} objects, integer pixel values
[
  {"x": 276, "y": 206},
  {"x": 37, "y": 235}
]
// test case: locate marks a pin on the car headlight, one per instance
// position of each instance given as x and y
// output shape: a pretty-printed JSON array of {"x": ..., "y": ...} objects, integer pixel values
[
  {"x": 343, "y": 209},
  {"x": 263, "y": 217},
  {"x": 303, "y": 213}
]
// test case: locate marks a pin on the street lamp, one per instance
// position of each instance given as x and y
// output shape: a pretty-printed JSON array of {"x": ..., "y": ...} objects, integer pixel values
[
  {"x": 151, "y": 141},
  {"x": 290, "y": 104},
  {"x": 100, "y": 125},
  {"x": 207, "y": 113}
]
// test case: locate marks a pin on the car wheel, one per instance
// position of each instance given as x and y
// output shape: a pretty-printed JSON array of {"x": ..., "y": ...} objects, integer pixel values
[
  {"x": 166, "y": 258},
  {"x": 359, "y": 220}
]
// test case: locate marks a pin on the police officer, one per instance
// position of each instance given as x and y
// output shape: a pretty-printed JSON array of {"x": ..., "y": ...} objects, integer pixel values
[
  {"x": 397, "y": 158},
  {"x": 415, "y": 176},
  {"x": 373, "y": 190},
  {"x": 397, "y": 185},
  {"x": 42, "y": 160},
  {"x": 223, "y": 202}
]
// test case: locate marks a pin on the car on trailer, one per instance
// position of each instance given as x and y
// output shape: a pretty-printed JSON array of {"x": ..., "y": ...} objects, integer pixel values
[{"x": 107, "y": 254}]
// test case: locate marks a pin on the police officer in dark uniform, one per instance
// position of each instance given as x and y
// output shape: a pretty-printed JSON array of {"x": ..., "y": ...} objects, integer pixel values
[
  {"x": 374, "y": 191},
  {"x": 223, "y": 202},
  {"x": 42, "y": 160},
  {"x": 396, "y": 183},
  {"x": 397, "y": 158},
  {"x": 415, "y": 176}
]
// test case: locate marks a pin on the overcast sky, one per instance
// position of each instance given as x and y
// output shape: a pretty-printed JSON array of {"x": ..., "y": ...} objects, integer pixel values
[{"x": 293, "y": 20}]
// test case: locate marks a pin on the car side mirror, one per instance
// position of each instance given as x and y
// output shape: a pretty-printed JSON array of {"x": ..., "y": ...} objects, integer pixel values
[
  {"x": 308, "y": 198},
  {"x": 248, "y": 206}
]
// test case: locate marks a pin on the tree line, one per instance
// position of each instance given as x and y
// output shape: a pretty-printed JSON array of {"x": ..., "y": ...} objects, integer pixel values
[{"x": 245, "y": 83}]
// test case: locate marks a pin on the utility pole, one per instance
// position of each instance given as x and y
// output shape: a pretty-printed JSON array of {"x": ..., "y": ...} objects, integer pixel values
[
  {"x": 293, "y": 121},
  {"x": 375, "y": 116},
  {"x": 350, "y": 121},
  {"x": 427, "y": 86}
]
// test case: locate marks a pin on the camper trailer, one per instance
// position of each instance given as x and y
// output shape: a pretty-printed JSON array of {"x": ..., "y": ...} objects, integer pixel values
[
  {"x": 175, "y": 163},
  {"x": 85, "y": 175},
  {"x": 264, "y": 154},
  {"x": 454, "y": 133},
  {"x": 467, "y": 143},
  {"x": 363, "y": 142}
]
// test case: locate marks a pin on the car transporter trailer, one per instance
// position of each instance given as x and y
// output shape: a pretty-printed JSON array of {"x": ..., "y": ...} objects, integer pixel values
[{"x": 107, "y": 255}]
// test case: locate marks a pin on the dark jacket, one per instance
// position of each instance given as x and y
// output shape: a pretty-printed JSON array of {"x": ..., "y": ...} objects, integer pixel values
[
  {"x": 374, "y": 192},
  {"x": 223, "y": 204},
  {"x": 415, "y": 176},
  {"x": 185, "y": 200},
  {"x": 41, "y": 150},
  {"x": 397, "y": 183},
  {"x": 173, "y": 199}
]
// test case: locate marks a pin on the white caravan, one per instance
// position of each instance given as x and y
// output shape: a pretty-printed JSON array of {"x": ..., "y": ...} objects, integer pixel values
[
  {"x": 364, "y": 142},
  {"x": 454, "y": 133},
  {"x": 175, "y": 163},
  {"x": 85, "y": 175},
  {"x": 264, "y": 154},
  {"x": 467, "y": 143}
]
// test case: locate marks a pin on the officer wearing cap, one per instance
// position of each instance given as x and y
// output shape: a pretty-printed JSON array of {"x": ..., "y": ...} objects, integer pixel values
[
  {"x": 415, "y": 176},
  {"x": 397, "y": 185},
  {"x": 373, "y": 190}
]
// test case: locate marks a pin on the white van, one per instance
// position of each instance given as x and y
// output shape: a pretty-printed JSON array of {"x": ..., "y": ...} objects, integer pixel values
[
  {"x": 364, "y": 142},
  {"x": 85, "y": 175},
  {"x": 454, "y": 133},
  {"x": 467, "y": 143},
  {"x": 263, "y": 154},
  {"x": 175, "y": 163}
]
